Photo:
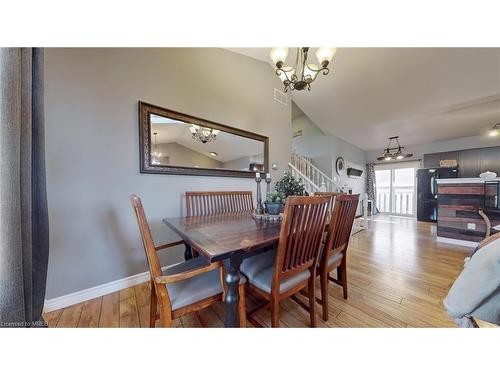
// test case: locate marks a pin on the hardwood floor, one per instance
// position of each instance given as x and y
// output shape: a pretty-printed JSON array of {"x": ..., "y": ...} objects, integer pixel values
[{"x": 398, "y": 276}]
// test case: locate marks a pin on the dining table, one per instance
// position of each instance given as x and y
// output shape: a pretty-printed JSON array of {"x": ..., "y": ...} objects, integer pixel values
[{"x": 227, "y": 237}]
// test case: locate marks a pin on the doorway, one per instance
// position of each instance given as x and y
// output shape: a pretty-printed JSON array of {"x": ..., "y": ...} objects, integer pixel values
[{"x": 395, "y": 186}]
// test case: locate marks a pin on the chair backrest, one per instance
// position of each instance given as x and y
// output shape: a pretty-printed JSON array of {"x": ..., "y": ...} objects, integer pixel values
[
  {"x": 147, "y": 238},
  {"x": 340, "y": 227},
  {"x": 300, "y": 236},
  {"x": 201, "y": 203},
  {"x": 330, "y": 194}
]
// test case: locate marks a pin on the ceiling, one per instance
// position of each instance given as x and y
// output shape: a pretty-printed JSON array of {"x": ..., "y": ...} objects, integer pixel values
[{"x": 420, "y": 94}]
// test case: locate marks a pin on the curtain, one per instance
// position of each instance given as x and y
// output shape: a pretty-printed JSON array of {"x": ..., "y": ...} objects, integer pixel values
[
  {"x": 24, "y": 237},
  {"x": 370, "y": 186}
]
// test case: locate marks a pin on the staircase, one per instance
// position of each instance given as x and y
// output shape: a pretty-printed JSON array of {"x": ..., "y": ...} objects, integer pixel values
[{"x": 313, "y": 179}]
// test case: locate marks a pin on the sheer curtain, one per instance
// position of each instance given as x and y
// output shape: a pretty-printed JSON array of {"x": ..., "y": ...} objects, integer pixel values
[{"x": 24, "y": 237}]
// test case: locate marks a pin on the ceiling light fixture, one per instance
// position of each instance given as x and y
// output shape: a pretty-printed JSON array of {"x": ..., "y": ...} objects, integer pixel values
[
  {"x": 214, "y": 154},
  {"x": 303, "y": 73},
  {"x": 204, "y": 135},
  {"x": 394, "y": 153},
  {"x": 495, "y": 130}
]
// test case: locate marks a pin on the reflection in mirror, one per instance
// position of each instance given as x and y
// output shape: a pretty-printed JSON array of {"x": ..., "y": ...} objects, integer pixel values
[{"x": 180, "y": 144}]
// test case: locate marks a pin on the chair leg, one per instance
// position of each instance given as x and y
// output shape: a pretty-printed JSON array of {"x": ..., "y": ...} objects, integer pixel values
[
  {"x": 152, "y": 307},
  {"x": 165, "y": 312},
  {"x": 342, "y": 276},
  {"x": 324, "y": 294},
  {"x": 242, "y": 306},
  {"x": 312, "y": 298},
  {"x": 275, "y": 312},
  {"x": 165, "y": 317}
]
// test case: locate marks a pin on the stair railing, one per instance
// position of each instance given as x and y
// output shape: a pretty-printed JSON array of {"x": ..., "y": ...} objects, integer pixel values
[{"x": 304, "y": 166}]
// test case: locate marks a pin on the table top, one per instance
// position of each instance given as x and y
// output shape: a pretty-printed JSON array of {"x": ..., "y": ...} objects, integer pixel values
[{"x": 218, "y": 237}]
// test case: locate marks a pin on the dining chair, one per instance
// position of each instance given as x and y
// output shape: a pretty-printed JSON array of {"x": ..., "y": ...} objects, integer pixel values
[
  {"x": 201, "y": 203},
  {"x": 184, "y": 287},
  {"x": 330, "y": 194},
  {"x": 279, "y": 274},
  {"x": 333, "y": 254}
]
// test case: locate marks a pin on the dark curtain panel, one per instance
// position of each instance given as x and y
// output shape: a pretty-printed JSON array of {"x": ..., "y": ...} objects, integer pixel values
[
  {"x": 370, "y": 186},
  {"x": 24, "y": 235}
]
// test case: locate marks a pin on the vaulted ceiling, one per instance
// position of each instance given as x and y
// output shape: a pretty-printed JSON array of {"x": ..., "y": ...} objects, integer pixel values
[{"x": 420, "y": 94}]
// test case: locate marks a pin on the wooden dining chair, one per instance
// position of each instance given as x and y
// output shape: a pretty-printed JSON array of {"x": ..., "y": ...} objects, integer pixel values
[
  {"x": 201, "y": 203},
  {"x": 330, "y": 194},
  {"x": 333, "y": 254},
  {"x": 276, "y": 275},
  {"x": 184, "y": 287}
]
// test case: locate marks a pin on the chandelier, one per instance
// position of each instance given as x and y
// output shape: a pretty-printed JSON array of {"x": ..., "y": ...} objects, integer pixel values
[
  {"x": 394, "y": 153},
  {"x": 203, "y": 134},
  {"x": 300, "y": 75},
  {"x": 155, "y": 154}
]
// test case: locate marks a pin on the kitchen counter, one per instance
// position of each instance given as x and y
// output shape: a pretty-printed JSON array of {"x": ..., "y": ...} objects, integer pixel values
[
  {"x": 464, "y": 180},
  {"x": 458, "y": 203}
]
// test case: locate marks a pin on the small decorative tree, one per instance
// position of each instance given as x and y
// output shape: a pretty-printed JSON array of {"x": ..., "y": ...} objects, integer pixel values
[{"x": 289, "y": 186}]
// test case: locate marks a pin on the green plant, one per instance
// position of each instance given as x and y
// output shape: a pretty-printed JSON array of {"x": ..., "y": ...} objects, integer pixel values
[
  {"x": 289, "y": 186},
  {"x": 275, "y": 197}
]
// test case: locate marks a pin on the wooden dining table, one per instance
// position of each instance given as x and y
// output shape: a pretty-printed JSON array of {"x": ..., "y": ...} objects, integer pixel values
[{"x": 228, "y": 237}]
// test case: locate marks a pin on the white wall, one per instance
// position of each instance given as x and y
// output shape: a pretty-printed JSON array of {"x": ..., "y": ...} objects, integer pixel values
[
  {"x": 92, "y": 148},
  {"x": 325, "y": 149},
  {"x": 455, "y": 144}
]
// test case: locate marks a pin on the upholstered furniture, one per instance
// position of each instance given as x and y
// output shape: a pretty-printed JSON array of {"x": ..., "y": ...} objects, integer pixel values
[
  {"x": 333, "y": 254},
  {"x": 475, "y": 294},
  {"x": 276, "y": 275},
  {"x": 184, "y": 287}
]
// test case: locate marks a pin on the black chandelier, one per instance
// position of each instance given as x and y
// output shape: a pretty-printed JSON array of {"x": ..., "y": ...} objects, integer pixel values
[
  {"x": 394, "y": 153},
  {"x": 300, "y": 75}
]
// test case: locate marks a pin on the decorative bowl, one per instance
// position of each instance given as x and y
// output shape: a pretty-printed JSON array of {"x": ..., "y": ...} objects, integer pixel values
[{"x": 487, "y": 175}]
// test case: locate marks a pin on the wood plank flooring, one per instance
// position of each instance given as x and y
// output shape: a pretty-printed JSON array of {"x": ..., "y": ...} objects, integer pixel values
[{"x": 398, "y": 276}]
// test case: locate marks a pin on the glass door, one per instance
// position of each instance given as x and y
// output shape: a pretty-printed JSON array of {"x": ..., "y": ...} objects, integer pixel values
[
  {"x": 403, "y": 193},
  {"x": 395, "y": 189},
  {"x": 383, "y": 189}
]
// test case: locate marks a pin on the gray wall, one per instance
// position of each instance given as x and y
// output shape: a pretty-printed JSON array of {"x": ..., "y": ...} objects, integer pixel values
[
  {"x": 244, "y": 162},
  {"x": 92, "y": 148},
  {"x": 324, "y": 150},
  {"x": 183, "y": 156}
]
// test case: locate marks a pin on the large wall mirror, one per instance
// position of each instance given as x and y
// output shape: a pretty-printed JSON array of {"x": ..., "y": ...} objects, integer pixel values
[{"x": 176, "y": 143}]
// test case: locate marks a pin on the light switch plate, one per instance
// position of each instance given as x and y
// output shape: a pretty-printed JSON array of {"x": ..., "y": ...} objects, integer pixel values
[{"x": 471, "y": 226}]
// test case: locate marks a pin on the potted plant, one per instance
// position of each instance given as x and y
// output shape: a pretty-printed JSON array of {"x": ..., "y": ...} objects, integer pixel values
[
  {"x": 289, "y": 186},
  {"x": 274, "y": 202}
]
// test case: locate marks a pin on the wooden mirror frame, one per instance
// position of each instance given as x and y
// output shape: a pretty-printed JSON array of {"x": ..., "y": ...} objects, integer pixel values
[{"x": 145, "y": 112}]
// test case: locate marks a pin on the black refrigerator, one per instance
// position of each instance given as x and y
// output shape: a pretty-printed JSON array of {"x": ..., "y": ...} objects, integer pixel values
[{"x": 427, "y": 191}]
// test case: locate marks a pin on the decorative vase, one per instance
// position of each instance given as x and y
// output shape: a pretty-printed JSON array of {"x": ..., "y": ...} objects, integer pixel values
[{"x": 274, "y": 208}]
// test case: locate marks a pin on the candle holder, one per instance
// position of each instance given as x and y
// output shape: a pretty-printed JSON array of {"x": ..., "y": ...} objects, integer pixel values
[
  {"x": 268, "y": 181},
  {"x": 259, "y": 210}
]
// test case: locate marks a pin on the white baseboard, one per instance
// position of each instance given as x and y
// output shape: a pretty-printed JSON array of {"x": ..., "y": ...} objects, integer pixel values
[
  {"x": 454, "y": 241},
  {"x": 94, "y": 292}
]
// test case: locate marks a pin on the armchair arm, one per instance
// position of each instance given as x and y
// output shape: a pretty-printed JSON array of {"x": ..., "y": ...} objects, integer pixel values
[
  {"x": 187, "y": 274},
  {"x": 488, "y": 240},
  {"x": 167, "y": 245}
]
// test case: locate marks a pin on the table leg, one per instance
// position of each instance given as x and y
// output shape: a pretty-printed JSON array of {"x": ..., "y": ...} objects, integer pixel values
[
  {"x": 188, "y": 253},
  {"x": 232, "y": 294}
]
